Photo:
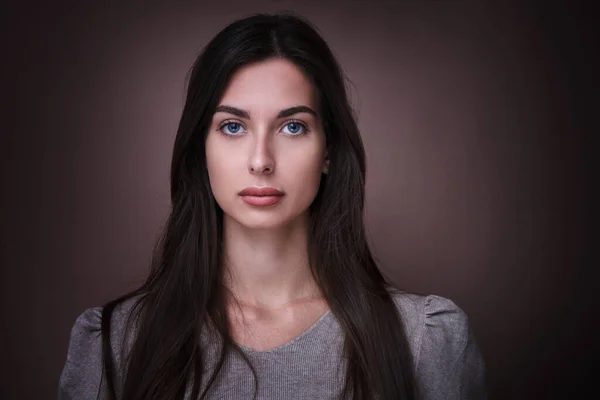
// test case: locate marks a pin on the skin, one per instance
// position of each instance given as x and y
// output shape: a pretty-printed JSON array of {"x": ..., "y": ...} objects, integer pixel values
[{"x": 265, "y": 248}]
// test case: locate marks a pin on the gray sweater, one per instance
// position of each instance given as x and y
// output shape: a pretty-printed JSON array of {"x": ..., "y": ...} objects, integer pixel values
[{"x": 449, "y": 365}]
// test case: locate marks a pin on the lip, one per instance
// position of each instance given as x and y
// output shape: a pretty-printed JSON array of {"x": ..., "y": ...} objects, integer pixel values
[
  {"x": 261, "y": 200},
  {"x": 260, "y": 192}
]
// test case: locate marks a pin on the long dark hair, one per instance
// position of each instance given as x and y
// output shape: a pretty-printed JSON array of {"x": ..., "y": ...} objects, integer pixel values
[{"x": 184, "y": 291}]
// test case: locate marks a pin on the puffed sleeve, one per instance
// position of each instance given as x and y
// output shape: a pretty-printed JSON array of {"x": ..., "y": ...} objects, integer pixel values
[
  {"x": 450, "y": 365},
  {"x": 81, "y": 375}
]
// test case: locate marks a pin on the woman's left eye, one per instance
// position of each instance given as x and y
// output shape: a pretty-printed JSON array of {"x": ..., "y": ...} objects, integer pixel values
[{"x": 295, "y": 127}]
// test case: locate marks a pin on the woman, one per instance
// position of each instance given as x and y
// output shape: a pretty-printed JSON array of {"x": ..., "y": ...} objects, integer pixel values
[{"x": 263, "y": 285}]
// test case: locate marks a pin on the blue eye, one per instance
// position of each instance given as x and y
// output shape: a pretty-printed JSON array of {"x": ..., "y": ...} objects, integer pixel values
[
  {"x": 295, "y": 127},
  {"x": 234, "y": 127}
]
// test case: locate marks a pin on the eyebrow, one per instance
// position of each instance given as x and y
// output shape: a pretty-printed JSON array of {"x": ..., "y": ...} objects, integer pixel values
[{"x": 282, "y": 114}]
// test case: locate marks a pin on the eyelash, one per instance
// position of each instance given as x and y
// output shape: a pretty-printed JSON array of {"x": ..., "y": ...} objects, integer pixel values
[{"x": 292, "y": 135}]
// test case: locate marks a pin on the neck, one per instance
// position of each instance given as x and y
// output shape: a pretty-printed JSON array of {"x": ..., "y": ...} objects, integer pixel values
[{"x": 268, "y": 268}]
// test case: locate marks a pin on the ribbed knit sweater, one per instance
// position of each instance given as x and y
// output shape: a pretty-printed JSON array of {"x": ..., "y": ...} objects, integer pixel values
[{"x": 447, "y": 360}]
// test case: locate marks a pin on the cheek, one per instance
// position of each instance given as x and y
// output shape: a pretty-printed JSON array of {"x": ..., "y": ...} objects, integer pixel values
[
  {"x": 305, "y": 176},
  {"x": 215, "y": 167}
]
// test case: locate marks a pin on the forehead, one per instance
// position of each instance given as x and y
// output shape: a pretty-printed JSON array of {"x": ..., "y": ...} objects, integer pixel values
[{"x": 269, "y": 86}]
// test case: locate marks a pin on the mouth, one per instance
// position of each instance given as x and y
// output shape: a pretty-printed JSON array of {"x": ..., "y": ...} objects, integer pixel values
[
  {"x": 261, "y": 201},
  {"x": 260, "y": 192}
]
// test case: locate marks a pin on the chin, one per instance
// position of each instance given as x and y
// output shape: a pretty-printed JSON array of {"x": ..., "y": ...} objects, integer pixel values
[
  {"x": 261, "y": 222},
  {"x": 256, "y": 219},
  {"x": 267, "y": 225}
]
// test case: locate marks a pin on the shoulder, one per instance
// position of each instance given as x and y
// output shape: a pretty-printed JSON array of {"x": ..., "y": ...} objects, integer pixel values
[
  {"x": 431, "y": 315},
  {"x": 446, "y": 354},
  {"x": 87, "y": 326},
  {"x": 81, "y": 376}
]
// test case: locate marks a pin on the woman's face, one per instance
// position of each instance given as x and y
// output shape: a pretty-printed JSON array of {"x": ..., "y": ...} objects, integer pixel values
[{"x": 250, "y": 144}]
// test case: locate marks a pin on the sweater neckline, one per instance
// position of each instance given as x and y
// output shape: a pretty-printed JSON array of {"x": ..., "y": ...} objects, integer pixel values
[{"x": 326, "y": 315}]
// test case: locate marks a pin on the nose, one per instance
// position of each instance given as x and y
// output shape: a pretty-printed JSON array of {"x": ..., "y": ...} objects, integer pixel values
[
  {"x": 261, "y": 160},
  {"x": 261, "y": 169}
]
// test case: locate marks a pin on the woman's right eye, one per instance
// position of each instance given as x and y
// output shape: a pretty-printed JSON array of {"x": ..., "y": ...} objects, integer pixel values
[{"x": 230, "y": 128}]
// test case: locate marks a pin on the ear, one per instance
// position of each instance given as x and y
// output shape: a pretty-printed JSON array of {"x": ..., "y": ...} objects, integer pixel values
[{"x": 326, "y": 164}]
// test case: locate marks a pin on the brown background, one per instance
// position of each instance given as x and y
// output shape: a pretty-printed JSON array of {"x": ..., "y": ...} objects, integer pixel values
[{"x": 473, "y": 118}]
